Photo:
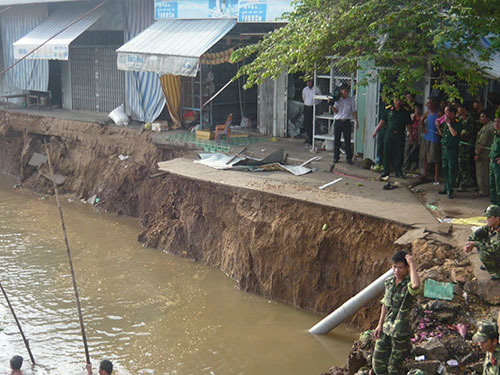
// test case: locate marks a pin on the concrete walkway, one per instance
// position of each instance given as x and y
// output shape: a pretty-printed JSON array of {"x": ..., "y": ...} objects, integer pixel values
[{"x": 363, "y": 196}]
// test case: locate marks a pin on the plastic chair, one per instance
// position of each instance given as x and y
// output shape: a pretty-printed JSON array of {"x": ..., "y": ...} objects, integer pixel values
[{"x": 224, "y": 129}]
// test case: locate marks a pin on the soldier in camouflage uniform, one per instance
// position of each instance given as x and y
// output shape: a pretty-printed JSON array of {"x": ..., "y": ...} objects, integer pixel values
[
  {"x": 494, "y": 156},
  {"x": 393, "y": 331},
  {"x": 464, "y": 150},
  {"x": 487, "y": 339},
  {"x": 487, "y": 241}
]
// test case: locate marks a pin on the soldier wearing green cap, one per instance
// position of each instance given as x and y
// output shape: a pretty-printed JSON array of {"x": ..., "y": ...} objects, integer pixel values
[
  {"x": 487, "y": 339},
  {"x": 393, "y": 331},
  {"x": 487, "y": 241}
]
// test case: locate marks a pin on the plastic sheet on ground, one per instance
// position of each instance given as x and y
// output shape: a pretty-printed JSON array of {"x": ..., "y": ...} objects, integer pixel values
[
  {"x": 438, "y": 290},
  {"x": 476, "y": 221},
  {"x": 223, "y": 162}
]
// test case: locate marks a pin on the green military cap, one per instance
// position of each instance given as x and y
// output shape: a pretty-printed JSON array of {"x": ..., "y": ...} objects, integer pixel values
[
  {"x": 492, "y": 210},
  {"x": 416, "y": 371},
  {"x": 486, "y": 330}
]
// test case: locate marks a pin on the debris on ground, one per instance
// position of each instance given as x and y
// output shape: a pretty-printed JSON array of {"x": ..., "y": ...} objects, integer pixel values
[
  {"x": 273, "y": 162},
  {"x": 390, "y": 186},
  {"x": 330, "y": 183},
  {"x": 438, "y": 290},
  {"x": 37, "y": 159},
  {"x": 59, "y": 180},
  {"x": 411, "y": 235},
  {"x": 476, "y": 220},
  {"x": 442, "y": 328}
]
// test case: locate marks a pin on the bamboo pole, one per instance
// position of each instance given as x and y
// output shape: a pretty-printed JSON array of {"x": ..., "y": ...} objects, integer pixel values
[
  {"x": 70, "y": 260},
  {"x": 26, "y": 343}
]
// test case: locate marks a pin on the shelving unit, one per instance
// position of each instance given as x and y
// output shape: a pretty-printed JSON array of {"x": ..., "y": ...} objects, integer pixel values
[
  {"x": 322, "y": 113},
  {"x": 194, "y": 94}
]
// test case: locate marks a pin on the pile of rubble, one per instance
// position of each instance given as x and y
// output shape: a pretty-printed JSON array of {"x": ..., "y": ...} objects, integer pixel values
[{"x": 442, "y": 330}]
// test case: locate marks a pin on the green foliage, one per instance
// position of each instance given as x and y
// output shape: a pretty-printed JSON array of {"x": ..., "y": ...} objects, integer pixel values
[{"x": 401, "y": 37}]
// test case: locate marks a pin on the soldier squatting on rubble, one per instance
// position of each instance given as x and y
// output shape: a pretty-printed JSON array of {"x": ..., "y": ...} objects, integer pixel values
[{"x": 487, "y": 241}]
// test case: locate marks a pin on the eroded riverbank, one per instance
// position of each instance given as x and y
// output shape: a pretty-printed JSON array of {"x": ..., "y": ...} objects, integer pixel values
[
  {"x": 149, "y": 312},
  {"x": 271, "y": 245}
]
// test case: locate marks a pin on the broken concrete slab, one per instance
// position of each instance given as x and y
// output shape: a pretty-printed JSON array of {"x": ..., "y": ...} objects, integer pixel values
[
  {"x": 442, "y": 228},
  {"x": 37, "y": 159},
  {"x": 488, "y": 290},
  {"x": 57, "y": 177},
  {"x": 410, "y": 236},
  {"x": 428, "y": 367},
  {"x": 433, "y": 349}
]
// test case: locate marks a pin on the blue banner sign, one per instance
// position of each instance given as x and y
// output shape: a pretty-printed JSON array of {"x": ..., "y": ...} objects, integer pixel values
[{"x": 243, "y": 10}]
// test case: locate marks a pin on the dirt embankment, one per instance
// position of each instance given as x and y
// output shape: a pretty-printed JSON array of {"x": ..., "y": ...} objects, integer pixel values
[{"x": 271, "y": 245}]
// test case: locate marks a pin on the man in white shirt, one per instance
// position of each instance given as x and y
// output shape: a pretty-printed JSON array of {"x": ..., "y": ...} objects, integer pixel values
[
  {"x": 308, "y": 93},
  {"x": 345, "y": 113}
]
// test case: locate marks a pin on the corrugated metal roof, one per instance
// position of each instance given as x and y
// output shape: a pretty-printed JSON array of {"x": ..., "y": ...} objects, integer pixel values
[
  {"x": 173, "y": 46},
  {"x": 57, "y": 48},
  {"x": 22, "y": 2},
  {"x": 179, "y": 37},
  {"x": 493, "y": 66}
]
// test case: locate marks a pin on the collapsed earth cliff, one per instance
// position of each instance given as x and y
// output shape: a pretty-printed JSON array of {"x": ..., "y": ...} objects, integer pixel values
[{"x": 269, "y": 244}]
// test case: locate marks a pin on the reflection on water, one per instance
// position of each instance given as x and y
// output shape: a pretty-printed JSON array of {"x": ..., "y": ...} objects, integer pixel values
[{"x": 147, "y": 311}]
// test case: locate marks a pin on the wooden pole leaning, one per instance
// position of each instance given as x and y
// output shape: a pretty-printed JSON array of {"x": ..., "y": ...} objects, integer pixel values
[
  {"x": 26, "y": 343},
  {"x": 70, "y": 260}
]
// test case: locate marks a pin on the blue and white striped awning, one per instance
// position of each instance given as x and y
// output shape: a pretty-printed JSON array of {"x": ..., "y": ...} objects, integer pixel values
[
  {"x": 58, "y": 47},
  {"x": 173, "y": 46}
]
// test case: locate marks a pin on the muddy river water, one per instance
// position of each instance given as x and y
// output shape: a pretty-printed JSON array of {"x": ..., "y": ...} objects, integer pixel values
[{"x": 147, "y": 311}]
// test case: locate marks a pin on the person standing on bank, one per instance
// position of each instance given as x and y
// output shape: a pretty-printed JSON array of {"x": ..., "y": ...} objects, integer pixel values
[
  {"x": 429, "y": 147},
  {"x": 465, "y": 148},
  {"x": 345, "y": 112},
  {"x": 393, "y": 331},
  {"x": 487, "y": 241},
  {"x": 308, "y": 93},
  {"x": 397, "y": 119},
  {"x": 494, "y": 156},
  {"x": 483, "y": 143},
  {"x": 450, "y": 131},
  {"x": 487, "y": 339}
]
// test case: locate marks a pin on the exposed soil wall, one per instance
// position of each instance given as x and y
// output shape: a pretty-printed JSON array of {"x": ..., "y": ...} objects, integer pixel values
[{"x": 269, "y": 244}]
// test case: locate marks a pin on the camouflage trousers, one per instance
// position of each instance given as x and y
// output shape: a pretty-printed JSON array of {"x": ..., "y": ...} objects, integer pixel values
[
  {"x": 465, "y": 175},
  {"x": 495, "y": 183},
  {"x": 490, "y": 256},
  {"x": 389, "y": 354}
]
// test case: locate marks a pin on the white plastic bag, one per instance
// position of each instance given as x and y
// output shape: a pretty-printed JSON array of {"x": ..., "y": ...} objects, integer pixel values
[{"x": 119, "y": 116}]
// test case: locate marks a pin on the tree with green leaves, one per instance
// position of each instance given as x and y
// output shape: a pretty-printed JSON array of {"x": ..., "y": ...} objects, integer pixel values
[{"x": 406, "y": 40}]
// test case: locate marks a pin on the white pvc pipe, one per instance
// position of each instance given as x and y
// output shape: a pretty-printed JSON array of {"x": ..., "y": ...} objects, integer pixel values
[{"x": 350, "y": 307}]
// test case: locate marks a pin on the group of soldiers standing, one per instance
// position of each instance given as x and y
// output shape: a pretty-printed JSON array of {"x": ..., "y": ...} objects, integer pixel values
[{"x": 462, "y": 142}]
